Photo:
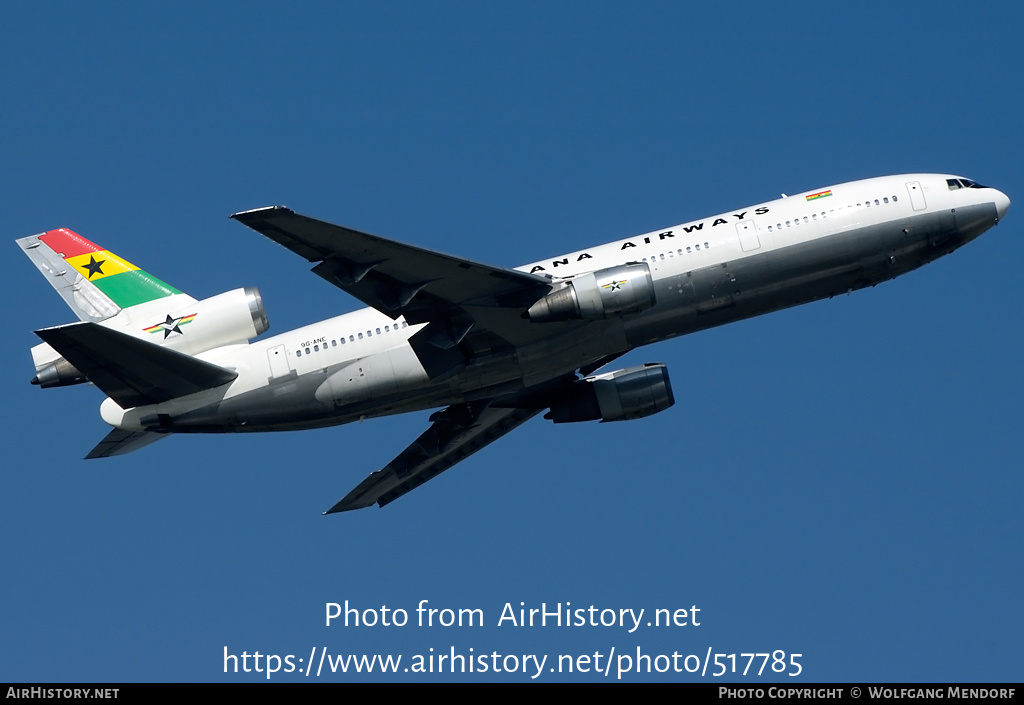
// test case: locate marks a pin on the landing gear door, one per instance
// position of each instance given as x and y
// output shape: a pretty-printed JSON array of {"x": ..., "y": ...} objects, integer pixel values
[{"x": 916, "y": 195}]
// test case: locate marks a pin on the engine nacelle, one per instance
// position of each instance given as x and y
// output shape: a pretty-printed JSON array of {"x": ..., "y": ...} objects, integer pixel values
[
  {"x": 616, "y": 291},
  {"x": 231, "y": 318},
  {"x": 631, "y": 393}
]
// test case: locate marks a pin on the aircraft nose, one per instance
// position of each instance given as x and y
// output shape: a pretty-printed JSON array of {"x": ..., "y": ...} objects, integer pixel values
[{"x": 1002, "y": 203}]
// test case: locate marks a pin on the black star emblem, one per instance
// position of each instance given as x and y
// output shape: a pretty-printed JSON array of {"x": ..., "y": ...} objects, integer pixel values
[
  {"x": 614, "y": 286},
  {"x": 171, "y": 326},
  {"x": 94, "y": 267}
]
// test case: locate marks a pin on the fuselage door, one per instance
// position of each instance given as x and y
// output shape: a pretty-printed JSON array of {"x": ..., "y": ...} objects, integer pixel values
[
  {"x": 749, "y": 241},
  {"x": 916, "y": 195},
  {"x": 278, "y": 358}
]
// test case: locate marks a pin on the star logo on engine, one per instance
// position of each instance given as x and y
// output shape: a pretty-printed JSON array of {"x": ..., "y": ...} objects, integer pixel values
[{"x": 171, "y": 325}]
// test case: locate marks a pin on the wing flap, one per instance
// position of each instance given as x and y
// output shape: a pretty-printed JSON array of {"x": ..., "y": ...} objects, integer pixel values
[
  {"x": 456, "y": 433},
  {"x": 130, "y": 371}
]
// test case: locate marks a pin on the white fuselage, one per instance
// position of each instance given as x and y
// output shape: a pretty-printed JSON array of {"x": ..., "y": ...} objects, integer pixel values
[{"x": 706, "y": 273}]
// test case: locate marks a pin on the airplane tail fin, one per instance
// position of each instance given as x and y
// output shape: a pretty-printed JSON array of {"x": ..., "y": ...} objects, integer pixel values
[{"x": 94, "y": 282}]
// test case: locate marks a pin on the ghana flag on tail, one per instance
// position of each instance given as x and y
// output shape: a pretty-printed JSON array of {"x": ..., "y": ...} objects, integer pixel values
[{"x": 121, "y": 281}]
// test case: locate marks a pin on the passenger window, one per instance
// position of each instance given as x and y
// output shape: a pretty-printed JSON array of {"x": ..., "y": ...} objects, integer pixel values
[
  {"x": 334, "y": 343},
  {"x": 707, "y": 246},
  {"x": 894, "y": 199},
  {"x": 387, "y": 329},
  {"x": 316, "y": 348},
  {"x": 689, "y": 251},
  {"x": 877, "y": 203},
  {"x": 697, "y": 247},
  {"x": 360, "y": 336},
  {"x": 378, "y": 331},
  {"x": 352, "y": 338}
]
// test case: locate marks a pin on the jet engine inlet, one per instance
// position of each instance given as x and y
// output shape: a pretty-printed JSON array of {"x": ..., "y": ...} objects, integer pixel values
[{"x": 616, "y": 291}]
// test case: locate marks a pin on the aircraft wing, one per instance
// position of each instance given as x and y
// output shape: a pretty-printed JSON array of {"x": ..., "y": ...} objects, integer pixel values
[
  {"x": 394, "y": 278},
  {"x": 466, "y": 304},
  {"x": 455, "y": 434}
]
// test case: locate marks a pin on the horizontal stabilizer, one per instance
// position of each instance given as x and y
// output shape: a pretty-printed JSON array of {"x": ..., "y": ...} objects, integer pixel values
[
  {"x": 457, "y": 433},
  {"x": 131, "y": 371},
  {"x": 119, "y": 442}
]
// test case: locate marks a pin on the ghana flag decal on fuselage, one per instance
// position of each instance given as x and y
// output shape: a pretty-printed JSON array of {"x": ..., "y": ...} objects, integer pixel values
[{"x": 124, "y": 283}]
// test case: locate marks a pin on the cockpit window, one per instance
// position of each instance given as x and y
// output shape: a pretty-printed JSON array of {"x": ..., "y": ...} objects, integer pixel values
[
  {"x": 953, "y": 184},
  {"x": 971, "y": 184}
]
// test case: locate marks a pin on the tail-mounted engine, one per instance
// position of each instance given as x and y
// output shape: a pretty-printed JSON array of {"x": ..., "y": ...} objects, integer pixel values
[
  {"x": 231, "y": 318},
  {"x": 616, "y": 291},
  {"x": 631, "y": 393}
]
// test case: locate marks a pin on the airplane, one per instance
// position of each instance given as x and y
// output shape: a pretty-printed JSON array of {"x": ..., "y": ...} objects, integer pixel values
[{"x": 493, "y": 346}]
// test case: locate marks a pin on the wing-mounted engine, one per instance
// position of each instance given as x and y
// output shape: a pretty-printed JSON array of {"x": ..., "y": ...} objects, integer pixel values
[
  {"x": 630, "y": 393},
  {"x": 177, "y": 322},
  {"x": 606, "y": 293}
]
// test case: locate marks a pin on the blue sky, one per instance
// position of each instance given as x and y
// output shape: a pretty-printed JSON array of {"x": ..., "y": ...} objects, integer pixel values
[{"x": 841, "y": 480}]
